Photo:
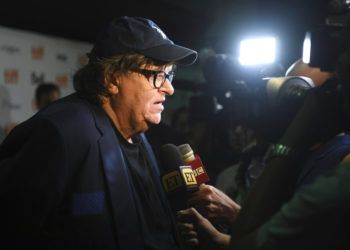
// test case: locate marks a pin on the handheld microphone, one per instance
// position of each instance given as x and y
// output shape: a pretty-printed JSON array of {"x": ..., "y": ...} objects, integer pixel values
[
  {"x": 195, "y": 162},
  {"x": 178, "y": 180}
]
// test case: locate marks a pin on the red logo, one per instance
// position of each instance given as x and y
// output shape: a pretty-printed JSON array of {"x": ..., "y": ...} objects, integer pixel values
[
  {"x": 38, "y": 53},
  {"x": 11, "y": 76},
  {"x": 62, "y": 80}
]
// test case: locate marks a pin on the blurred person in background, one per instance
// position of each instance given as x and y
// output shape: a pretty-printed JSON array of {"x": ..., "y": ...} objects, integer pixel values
[
  {"x": 45, "y": 94},
  {"x": 180, "y": 122}
]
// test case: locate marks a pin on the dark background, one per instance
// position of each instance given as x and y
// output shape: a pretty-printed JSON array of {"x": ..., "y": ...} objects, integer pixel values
[{"x": 193, "y": 23}]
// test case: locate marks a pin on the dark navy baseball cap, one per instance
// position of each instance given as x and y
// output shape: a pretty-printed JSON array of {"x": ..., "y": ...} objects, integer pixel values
[{"x": 139, "y": 35}]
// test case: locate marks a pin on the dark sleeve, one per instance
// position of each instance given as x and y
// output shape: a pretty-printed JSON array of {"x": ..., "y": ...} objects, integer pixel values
[
  {"x": 32, "y": 172},
  {"x": 314, "y": 218}
]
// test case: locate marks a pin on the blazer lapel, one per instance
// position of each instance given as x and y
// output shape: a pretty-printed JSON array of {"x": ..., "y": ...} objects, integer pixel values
[{"x": 125, "y": 215}]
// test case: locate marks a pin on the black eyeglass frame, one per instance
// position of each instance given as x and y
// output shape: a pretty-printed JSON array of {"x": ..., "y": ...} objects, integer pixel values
[{"x": 147, "y": 73}]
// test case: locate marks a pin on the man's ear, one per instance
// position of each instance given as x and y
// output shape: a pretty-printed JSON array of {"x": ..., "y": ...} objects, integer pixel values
[{"x": 111, "y": 85}]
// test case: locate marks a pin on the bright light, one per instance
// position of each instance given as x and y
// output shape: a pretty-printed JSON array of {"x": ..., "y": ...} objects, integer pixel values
[
  {"x": 257, "y": 51},
  {"x": 307, "y": 48}
]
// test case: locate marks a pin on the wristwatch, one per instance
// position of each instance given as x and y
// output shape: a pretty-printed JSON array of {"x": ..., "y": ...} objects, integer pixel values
[{"x": 277, "y": 150}]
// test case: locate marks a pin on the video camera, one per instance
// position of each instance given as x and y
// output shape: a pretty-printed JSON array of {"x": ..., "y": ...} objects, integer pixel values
[
  {"x": 266, "y": 105},
  {"x": 323, "y": 46},
  {"x": 264, "y": 102}
]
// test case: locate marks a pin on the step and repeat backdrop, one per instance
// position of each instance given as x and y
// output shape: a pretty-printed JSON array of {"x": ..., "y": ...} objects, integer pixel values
[{"x": 28, "y": 59}]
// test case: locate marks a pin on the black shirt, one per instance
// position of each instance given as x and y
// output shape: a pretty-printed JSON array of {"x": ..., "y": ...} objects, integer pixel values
[{"x": 156, "y": 222}]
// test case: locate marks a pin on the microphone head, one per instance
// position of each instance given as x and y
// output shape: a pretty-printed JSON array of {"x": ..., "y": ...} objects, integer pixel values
[
  {"x": 195, "y": 162},
  {"x": 185, "y": 148},
  {"x": 178, "y": 180},
  {"x": 170, "y": 157},
  {"x": 186, "y": 152}
]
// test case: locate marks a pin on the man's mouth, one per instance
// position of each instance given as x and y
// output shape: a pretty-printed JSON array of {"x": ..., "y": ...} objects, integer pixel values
[
  {"x": 160, "y": 101},
  {"x": 159, "y": 104}
]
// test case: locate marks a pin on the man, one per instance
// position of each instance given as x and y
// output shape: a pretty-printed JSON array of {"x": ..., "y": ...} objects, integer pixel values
[
  {"x": 46, "y": 93},
  {"x": 80, "y": 173}
]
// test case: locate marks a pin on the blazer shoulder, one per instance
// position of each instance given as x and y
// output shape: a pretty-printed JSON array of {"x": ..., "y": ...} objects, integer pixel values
[
  {"x": 70, "y": 111},
  {"x": 75, "y": 119}
]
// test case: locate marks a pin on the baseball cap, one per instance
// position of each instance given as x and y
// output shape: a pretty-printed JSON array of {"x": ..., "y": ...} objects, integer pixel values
[{"x": 136, "y": 34}]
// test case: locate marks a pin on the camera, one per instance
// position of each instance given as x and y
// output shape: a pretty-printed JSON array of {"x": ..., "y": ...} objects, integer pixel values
[
  {"x": 265, "y": 104},
  {"x": 323, "y": 46}
]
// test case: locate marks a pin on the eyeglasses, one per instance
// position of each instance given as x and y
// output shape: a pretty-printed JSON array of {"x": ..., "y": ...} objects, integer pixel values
[{"x": 159, "y": 76}]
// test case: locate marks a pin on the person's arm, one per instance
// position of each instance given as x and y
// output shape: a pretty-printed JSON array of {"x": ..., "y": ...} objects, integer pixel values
[{"x": 314, "y": 219}]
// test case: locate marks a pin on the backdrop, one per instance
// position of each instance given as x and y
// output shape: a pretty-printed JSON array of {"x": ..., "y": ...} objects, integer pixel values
[{"x": 26, "y": 60}]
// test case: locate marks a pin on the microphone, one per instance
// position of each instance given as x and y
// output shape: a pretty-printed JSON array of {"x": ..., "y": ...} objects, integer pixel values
[
  {"x": 178, "y": 180},
  {"x": 195, "y": 162}
]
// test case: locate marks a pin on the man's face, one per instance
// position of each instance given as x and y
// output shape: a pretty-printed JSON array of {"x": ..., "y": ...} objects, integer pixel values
[{"x": 138, "y": 101}]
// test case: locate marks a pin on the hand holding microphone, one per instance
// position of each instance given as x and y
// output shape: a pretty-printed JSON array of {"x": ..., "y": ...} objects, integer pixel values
[
  {"x": 200, "y": 232},
  {"x": 208, "y": 200},
  {"x": 213, "y": 204}
]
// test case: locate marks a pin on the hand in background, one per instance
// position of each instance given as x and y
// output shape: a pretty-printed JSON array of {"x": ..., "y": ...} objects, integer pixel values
[
  {"x": 214, "y": 205},
  {"x": 197, "y": 231}
]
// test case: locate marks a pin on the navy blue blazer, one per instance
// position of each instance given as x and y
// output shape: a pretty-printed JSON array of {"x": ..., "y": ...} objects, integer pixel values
[{"x": 64, "y": 182}]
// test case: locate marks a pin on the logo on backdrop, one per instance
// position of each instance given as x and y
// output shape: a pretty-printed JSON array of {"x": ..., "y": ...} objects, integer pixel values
[
  {"x": 11, "y": 76},
  {"x": 38, "y": 53},
  {"x": 6, "y": 105},
  {"x": 37, "y": 79},
  {"x": 61, "y": 57},
  {"x": 62, "y": 80},
  {"x": 9, "y": 49}
]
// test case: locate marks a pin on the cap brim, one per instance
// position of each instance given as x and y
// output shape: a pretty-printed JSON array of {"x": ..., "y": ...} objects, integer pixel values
[{"x": 171, "y": 53}]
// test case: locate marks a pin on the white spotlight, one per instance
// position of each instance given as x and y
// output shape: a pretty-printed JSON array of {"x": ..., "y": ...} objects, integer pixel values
[
  {"x": 307, "y": 48},
  {"x": 257, "y": 51}
]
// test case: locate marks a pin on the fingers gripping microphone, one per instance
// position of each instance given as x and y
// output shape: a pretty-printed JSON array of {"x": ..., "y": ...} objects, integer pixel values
[
  {"x": 178, "y": 180},
  {"x": 195, "y": 162}
]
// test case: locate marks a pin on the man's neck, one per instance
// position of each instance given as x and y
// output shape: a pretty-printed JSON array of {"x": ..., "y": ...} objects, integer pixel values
[{"x": 118, "y": 121}]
